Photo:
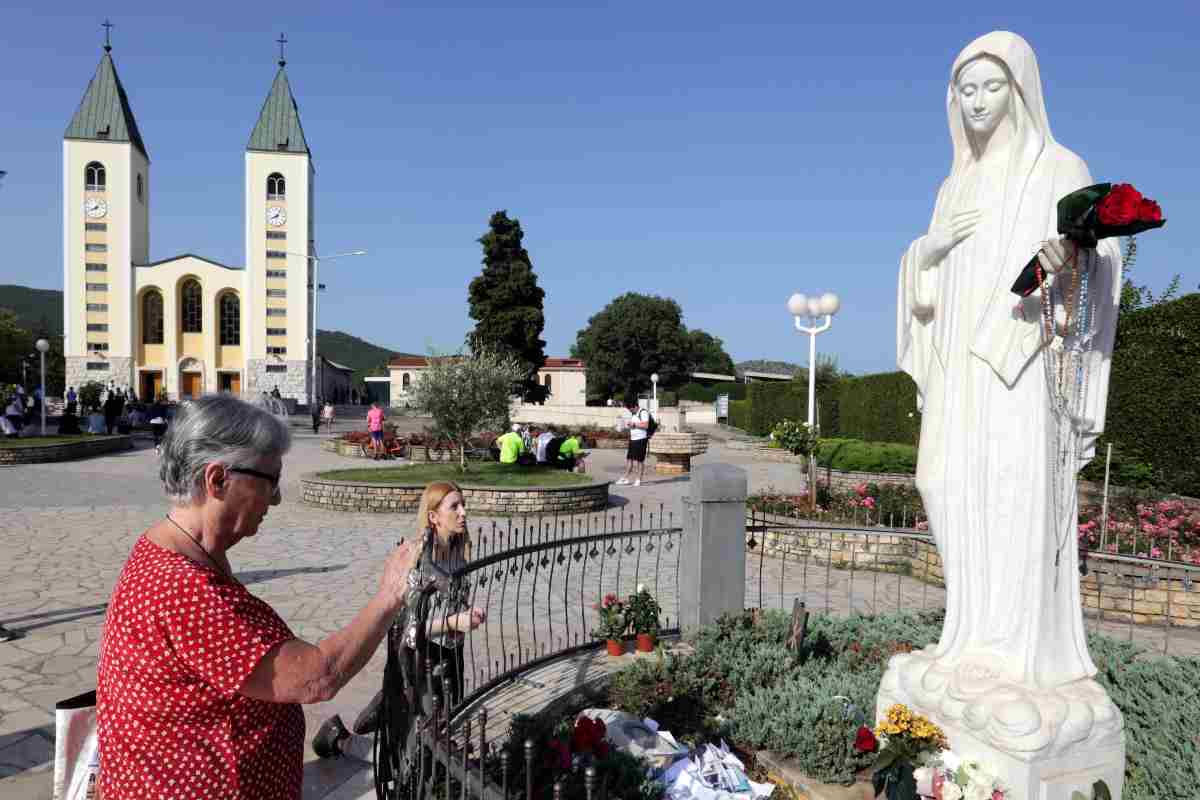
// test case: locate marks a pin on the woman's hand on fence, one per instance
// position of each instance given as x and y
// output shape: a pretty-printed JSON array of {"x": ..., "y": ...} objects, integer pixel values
[
  {"x": 394, "y": 582},
  {"x": 468, "y": 620}
]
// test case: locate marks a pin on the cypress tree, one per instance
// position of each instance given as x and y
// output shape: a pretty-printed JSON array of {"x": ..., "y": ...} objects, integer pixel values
[{"x": 506, "y": 302}]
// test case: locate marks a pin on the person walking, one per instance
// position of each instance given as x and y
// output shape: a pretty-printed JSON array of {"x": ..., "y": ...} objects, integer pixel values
[
  {"x": 637, "y": 424},
  {"x": 71, "y": 396},
  {"x": 316, "y": 416},
  {"x": 375, "y": 419},
  {"x": 327, "y": 414}
]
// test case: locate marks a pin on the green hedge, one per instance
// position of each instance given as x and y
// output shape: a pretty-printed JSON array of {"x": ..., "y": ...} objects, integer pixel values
[
  {"x": 739, "y": 414},
  {"x": 772, "y": 403},
  {"x": 1153, "y": 419},
  {"x": 878, "y": 408},
  {"x": 854, "y": 455}
]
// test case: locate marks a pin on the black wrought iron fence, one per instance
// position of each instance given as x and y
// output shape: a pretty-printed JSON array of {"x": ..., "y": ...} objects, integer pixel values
[
  {"x": 843, "y": 569},
  {"x": 535, "y": 583}
]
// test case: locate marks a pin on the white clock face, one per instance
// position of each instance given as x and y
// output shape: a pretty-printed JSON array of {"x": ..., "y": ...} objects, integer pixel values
[
  {"x": 95, "y": 208},
  {"x": 276, "y": 216}
]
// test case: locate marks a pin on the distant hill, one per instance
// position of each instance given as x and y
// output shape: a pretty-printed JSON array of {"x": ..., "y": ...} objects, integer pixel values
[
  {"x": 778, "y": 367},
  {"x": 38, "y": 310},
  {"x": 350, "y": 351}
]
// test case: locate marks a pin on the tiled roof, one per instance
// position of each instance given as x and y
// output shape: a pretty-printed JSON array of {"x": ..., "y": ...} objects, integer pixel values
[
  {"x": 278, "y": 128},
  {"x": 563, "y": 363},
  {"x": 104, "y": 114}
]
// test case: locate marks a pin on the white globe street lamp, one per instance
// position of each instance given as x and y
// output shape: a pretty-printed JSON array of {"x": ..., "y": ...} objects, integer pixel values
[
  {"x": 42, "y": 346},
  {"x": 800, "y": 305},
  {"x": 654, "y": 396}
]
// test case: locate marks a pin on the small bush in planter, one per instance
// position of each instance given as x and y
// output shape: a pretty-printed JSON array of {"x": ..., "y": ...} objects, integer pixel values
[{"x": 641, "y": 612}]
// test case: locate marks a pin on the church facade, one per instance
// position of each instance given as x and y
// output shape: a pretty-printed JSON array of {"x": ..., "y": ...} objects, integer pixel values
[{"x": 186, "y": 325}]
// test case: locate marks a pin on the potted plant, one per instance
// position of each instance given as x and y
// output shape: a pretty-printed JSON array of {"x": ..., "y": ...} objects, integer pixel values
[
  {"x": 641, "y": 613},
  {"x": 612, "y": 623}
]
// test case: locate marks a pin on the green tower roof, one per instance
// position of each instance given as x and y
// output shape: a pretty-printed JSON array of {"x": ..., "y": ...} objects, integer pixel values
[
  {"x": 104, "y": 114},
  {"x": 278, "y": 127}
]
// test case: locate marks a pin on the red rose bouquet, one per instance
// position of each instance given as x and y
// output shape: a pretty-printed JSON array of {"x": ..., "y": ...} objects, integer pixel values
[{"x": 1093, "y": 213}]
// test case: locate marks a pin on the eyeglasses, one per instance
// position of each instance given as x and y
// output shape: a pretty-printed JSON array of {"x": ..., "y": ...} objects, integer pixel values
[{"x": 266, "y": 476}]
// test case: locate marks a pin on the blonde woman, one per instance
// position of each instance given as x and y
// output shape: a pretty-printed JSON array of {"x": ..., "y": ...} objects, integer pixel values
[{"x": 442, "y": 530}]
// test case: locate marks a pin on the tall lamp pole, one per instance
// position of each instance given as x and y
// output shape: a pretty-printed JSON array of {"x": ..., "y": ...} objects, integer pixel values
[
  {"x": 43, "y": 346},
  {"x": 315, "y": 286},
  {"x": 654, "y": 396},
  {"x": 802, "y": 306}
]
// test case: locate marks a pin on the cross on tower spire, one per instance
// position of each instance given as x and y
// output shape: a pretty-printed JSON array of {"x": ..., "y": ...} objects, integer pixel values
[
  {"x": 282, "y": 41},
  {"x": 108, "y": 26}
]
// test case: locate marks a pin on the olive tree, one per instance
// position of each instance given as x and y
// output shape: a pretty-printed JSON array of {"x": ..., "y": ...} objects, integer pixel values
[{"x": 467, "y": 393}]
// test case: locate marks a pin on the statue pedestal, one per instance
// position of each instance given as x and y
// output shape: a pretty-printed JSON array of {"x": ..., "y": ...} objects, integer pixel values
[{"x": 1044, "y": 744}]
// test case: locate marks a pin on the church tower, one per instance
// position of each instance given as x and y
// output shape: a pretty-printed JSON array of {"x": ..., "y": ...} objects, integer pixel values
[
  {"x": 106, "y": 213},
  {"x": 279, "y": 237}
]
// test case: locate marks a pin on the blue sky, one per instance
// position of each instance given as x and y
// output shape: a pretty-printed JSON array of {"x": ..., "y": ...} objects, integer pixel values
[{"x": 724, "y": 155}]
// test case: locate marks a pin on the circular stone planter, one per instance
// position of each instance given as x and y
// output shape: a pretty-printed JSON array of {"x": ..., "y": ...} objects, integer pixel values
[
  {"x": 392, "y": 498},
  {"x": 65, "y": 451},
  {"x": 674, "y": 451},
  {"x": 349, "y": 449}
]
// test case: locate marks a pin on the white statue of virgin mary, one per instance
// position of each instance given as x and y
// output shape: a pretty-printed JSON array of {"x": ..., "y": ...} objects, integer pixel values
[{"x": 1012, "y": 667}]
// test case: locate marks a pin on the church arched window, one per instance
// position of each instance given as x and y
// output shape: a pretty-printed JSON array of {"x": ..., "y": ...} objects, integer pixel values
[
  {"x": 152, "y": 317},
  {"x": 94, "y": 179},
  {"x": 140, "y": 188},
  {"x": 231, "y": 319},
  {"x": 546, "y": 382},
  {"x": 276, "y": 187},
  {"x": 191, "y": 307},
  {"x": 405, "y": 382}
]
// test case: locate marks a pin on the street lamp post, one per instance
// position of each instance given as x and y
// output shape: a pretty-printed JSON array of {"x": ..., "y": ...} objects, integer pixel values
[
  {"x": 315, "y": 286},
  {"x": 813, "y": 307},
  {"x": 654, "y": 396},
  {"x": 43, "y": 346}
]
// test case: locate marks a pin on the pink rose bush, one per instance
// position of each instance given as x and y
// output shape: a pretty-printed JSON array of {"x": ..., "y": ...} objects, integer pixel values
[{"x": 1163, "y": 529}]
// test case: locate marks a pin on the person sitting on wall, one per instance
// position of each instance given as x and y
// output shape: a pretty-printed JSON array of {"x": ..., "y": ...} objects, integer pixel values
[
  {"x": 542, "y": 442},
  {"x": 511, "y": 446},
  {"x": 571, "y": 455}
]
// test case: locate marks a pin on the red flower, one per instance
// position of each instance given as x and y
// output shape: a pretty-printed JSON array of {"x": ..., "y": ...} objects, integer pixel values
[
  {"x": 588, "y": 734},
  {"x": 560, "y": 755},
  {"x": 601, "y": 749},
  {"x": 865, "y": 741},
  {"x": 1148, "y": 211},
  {"x": 1120, "y": 206}
]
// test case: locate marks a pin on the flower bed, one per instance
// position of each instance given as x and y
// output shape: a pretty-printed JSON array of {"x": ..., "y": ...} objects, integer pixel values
[
  {"x": 741, "y": 682},
  {"x": 897, "y": 504},
  {"x": 1164, "y": 529},
  {"x": 38, "y": 450}
]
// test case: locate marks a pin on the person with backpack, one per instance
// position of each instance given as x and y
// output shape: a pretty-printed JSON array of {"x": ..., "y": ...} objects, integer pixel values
[{"x": 641, "y": 426}]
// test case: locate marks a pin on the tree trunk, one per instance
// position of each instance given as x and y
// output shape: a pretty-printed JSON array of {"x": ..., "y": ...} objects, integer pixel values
[{"x": 462, "y": 456}]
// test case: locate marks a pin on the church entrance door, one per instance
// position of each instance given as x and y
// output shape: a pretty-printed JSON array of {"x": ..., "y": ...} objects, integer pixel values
[
  {"x": 151, "y": 386},
  {"x": 230, "y": 382},
  {"x": 189, "y": 384}
]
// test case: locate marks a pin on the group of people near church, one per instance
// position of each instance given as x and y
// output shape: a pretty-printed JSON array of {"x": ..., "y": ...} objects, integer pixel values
[{"x": 524, "y": 447}]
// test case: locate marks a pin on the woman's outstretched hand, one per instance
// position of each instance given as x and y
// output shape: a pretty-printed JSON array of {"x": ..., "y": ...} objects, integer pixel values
[
  {"x": 394, "y": 582},
  {"x": 468, "y": 620},
  {"x": 943, "y": 238}
]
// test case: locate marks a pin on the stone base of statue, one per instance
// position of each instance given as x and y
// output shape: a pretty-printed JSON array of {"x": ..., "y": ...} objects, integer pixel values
[{"x": 1044, "y": 744}]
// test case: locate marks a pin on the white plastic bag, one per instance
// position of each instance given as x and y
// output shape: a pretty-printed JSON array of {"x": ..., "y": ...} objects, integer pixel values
[{"x": 76, "y": 749}]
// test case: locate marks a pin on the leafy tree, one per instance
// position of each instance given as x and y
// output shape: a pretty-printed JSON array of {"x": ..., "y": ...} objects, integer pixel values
[
  {"x": 708, "y": 353},
  {"x": 467, "y": 394},
  {"x": 16, "y": 343},
  {"x": 633, "y": 337},
  {"x": 506, "y": 302},
  {"x": 89, "y": 395}
]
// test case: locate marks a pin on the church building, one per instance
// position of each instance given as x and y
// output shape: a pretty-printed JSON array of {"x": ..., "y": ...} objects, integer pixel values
[{"x": 186, "y": 325}]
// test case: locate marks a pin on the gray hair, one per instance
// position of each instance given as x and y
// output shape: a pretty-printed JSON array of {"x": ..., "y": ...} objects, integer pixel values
[{"x": 216, "y": 429}]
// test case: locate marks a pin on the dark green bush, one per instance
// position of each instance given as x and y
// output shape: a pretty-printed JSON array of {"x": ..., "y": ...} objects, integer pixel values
[
  {"x": 667, "y": 399},
  {"x": 697, "y": 393},
  {"x": 859, "y": 456},
  {"x": 879, "y": 408},
  {"x": 739, "y": 414},
  {"x": 1153, "y": 397}
]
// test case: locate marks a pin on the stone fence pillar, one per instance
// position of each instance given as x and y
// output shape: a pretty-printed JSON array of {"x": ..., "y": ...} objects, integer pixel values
[{"x": 712, "y": 568}]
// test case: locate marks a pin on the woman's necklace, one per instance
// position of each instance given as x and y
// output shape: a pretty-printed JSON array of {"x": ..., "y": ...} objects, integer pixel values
[{"x": 220, "y": 570}]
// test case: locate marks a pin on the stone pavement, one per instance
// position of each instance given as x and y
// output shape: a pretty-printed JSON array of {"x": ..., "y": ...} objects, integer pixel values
[{"x": 68, "y": 528}]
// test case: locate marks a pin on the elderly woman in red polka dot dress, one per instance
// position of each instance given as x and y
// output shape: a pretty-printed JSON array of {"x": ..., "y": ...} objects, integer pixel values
[{"x": 200, "y": 682}]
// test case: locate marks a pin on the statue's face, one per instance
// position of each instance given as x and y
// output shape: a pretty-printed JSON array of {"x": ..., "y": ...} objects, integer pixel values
[{"x": 984, "y": 94}]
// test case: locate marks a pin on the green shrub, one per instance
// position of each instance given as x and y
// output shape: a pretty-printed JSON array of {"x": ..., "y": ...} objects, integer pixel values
[
  {"x": 739, "y": 414},
  {"x": 853, "y": 455},
  {"x": 697, "y": 393},
  {"x": 880, "y": 408},
  {"x": 668, "y": 399}
]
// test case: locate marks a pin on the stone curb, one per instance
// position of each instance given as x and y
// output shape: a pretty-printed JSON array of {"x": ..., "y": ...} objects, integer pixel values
[{"x": 65, "y": 451}]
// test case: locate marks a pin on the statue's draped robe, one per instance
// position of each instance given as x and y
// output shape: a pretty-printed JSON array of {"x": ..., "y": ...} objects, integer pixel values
[{"x": 987, "y": 430}]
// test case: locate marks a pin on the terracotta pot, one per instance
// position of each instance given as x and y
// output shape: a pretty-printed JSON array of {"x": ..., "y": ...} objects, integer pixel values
[
  {"x": 645, "y": 642},
  {"x": 616, "y": 647}
]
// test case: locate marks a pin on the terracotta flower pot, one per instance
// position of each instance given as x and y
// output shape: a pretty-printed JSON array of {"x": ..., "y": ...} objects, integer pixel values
[
  {"x": 616, "y": 647},
  {"x": 645, "y": 642}
]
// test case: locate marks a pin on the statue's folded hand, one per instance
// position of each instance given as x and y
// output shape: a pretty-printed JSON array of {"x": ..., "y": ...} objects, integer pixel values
[
  {"x": 944, "y": 237},
  {"x": 1058, "y": 255}
]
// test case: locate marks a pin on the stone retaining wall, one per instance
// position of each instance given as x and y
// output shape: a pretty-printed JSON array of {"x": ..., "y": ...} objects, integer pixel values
[
  {"x": 487, "y": 500},
  {"x": 65, "y": 451}
]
